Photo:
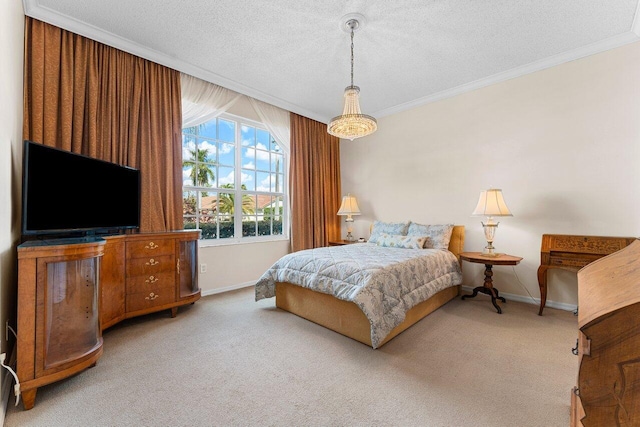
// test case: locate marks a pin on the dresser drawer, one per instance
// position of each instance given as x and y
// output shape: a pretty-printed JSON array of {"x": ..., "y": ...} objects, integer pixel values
[
  {"x": 150, "y": 248},
  {"x": 151, "y": 265},
  {"x": 146, "y": 300},
  {"x": 573, "y": 260},
  {"x": 568, "y": 262},
  {"x": 587, "y": 244},
  {"x": 148, "y": 283}
]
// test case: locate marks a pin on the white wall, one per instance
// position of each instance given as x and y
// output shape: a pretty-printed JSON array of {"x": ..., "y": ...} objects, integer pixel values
[
  {"x": 234, "y": 266},
  {"x": 562, "y": 143},
  {"x": 12, "y": 47}
]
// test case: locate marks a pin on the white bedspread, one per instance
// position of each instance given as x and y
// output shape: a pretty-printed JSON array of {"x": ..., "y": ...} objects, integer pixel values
[{"x": 384, "y": 282}]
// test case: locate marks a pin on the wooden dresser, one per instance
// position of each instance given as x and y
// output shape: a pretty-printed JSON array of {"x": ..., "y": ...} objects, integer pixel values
[
  {"x": 608, "y": 390},
  {"x": 571, "y": 252},
  {"x": 70, "y": 290}
]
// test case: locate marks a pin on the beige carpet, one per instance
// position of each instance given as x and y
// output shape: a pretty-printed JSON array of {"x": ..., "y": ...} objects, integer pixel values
[{"x": 230, "y": 361}]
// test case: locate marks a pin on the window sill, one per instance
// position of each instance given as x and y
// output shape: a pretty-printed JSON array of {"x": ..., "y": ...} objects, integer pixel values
[{"x": 206, "y": 243}]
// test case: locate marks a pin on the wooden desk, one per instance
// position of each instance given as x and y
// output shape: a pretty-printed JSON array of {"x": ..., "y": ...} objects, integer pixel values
[
  {"x": 571, "y": 252},
  {"x": 489, "y": 262}
]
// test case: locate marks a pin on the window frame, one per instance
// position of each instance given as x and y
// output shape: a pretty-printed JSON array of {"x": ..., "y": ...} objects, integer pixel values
[{"x": 238, "y": 192}]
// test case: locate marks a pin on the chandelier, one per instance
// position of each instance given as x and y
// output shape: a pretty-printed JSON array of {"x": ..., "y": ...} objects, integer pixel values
[{"x": 352, "y": 123}]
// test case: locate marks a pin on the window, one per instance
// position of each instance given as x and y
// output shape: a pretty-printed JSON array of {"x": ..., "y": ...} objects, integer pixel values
[{"x": 233, "y": 181}]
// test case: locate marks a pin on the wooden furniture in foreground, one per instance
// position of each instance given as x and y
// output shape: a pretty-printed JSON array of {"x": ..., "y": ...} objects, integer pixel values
[
  {"x": 70, "y": 290},
  {"x": 346, "y": 318},
  {"x": 571, "y": 252},
  {"x": 608, "y": 391},
  {"x": 489, "y": 262}
]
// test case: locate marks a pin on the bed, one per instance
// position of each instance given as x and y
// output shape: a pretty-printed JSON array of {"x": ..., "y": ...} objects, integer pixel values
[{"x": 370, "y": 292}]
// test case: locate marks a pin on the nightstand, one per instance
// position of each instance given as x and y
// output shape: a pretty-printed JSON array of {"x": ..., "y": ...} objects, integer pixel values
[
  {"x": 342, "y": 242},
  {"x": 489, "y": 262}
]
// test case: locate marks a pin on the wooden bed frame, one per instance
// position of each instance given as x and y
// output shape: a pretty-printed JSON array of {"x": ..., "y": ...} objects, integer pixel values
[{"x": 346, "y": 318}]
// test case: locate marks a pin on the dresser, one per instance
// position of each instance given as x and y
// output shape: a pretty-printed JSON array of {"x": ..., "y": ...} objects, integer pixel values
[
  {"x": 608, "y": 389},
  {"x": 70, "y": 290}
]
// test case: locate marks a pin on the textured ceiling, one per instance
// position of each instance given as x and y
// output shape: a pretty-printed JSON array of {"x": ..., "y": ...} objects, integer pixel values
[{"x": 295, "y": 55}]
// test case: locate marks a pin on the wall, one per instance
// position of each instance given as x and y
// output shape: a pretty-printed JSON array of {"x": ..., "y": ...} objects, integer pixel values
[
  {"x": 237, "y": 265},
  {"x": 12, "y": 47},
  {"x": 562, "y": 143}
]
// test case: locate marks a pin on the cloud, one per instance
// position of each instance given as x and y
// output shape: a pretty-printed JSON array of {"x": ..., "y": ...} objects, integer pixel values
[
  {"x": 228, "y": 179},
  {"x": 264, "y": 184}
]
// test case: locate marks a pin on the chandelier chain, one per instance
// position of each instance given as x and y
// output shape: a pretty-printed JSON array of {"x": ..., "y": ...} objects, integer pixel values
[{"x": 352, "y": 56}]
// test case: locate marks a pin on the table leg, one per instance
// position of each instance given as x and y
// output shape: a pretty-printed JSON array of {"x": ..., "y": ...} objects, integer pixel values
[
  {"x": 488, "y": 289},
  {"x": 542, "y": 283}
]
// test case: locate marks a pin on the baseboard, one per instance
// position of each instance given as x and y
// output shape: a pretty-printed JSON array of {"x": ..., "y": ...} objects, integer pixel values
[
  {"x": 7, "y": 385},
  {"x": 512, "y": 297},
  {"x": 228, "y": 288},
  {"x": 532, "y": 300}
]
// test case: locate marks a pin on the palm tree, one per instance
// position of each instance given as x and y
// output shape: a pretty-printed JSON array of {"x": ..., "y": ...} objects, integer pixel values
[
  {"x": 226, "y": 202},
  {"x": 200, "y": 171}
]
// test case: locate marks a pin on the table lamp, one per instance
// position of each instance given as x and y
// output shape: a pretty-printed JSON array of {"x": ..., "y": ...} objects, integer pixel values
[
  {"x": 490, "y": 204},
  {"x": 349, "y": 207}
]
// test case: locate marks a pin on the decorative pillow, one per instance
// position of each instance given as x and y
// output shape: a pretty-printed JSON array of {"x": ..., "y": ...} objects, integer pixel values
[
  {"x": 398, "y": 241},
  {"x": 395, "y": 228},
  {"x": 438, "y": 236}
]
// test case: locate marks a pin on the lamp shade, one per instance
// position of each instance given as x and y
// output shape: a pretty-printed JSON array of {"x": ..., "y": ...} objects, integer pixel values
[
  {"x": 491, "y": 203},
  {"x": 349, "y": 206}
]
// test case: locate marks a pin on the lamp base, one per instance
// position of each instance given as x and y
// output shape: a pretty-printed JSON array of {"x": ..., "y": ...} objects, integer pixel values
[
  {"x": 350, "y": 237},
  {"x": 489, "y": 251}
]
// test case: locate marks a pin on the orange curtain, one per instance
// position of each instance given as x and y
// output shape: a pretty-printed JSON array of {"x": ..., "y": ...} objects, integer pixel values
[
  {"x": 92, "y": 99},
  {"x": 314, "y": 184}
]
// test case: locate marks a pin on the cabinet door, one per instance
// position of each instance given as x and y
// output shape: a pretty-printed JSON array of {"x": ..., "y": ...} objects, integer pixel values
[
  {"x": 112, "y": 280},
  {"x": 188, "y": 268},
  {"x": 67, "y": 323}
]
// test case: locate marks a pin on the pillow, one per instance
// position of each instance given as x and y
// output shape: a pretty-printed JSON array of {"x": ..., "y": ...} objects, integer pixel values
[
  {"x": 398, "y": 241},
  {"x": 438, "y": 236},
  {"x": 395, "y": 228}
]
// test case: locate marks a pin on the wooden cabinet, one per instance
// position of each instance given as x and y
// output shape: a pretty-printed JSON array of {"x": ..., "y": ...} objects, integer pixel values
[
  {"x": 608, "y": 390},
  {"x": 160, "y": 272},
  {"x": 59, "y": 330},
  {"x": 70, "y": 290}
]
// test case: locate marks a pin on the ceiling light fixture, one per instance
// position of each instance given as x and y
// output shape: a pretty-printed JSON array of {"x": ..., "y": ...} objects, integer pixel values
[{"x": 352, "y": 123}]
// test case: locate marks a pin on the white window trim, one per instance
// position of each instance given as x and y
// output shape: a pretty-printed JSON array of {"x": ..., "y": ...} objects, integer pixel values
[{"x": 238, "y": 190}]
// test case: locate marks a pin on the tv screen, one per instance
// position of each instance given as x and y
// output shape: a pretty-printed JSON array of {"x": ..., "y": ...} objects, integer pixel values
[{"x": 67, "y": 193}]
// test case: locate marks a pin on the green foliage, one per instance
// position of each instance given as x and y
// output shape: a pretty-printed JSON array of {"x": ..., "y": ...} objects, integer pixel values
[
  {"x": 208, "y": 231},
  {"x": 202, "y": 173},
  {"x": 268, "y": 213}
]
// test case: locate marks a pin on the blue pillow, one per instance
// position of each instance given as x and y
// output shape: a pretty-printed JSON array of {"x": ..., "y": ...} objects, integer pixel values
[{"x": 438, "y": 236}]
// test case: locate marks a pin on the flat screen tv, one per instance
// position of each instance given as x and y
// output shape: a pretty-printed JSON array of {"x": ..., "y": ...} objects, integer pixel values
[{"x": 70, "y": 194}]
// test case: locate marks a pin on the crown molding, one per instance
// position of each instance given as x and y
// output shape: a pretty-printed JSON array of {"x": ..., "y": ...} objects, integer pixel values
[
  {"x": 552, "y": 61},
  {"x": 34, "y": 10}
]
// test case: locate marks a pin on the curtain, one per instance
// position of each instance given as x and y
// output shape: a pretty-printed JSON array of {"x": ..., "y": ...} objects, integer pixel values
[
  {"x": 203, "y": 101},
  {"x": 92, "y": 99},
  {"x": 314, "y": 183},
  {"x": 276, "y": 120}
]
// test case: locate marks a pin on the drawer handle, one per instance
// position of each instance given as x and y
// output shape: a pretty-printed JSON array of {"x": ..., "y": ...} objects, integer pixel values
[
  {"x": 151, "y": 245},
  {"x": 153, "y": 262},
  {"x": 152, "y": 296},
  {"x": 151, "y": 279}
]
